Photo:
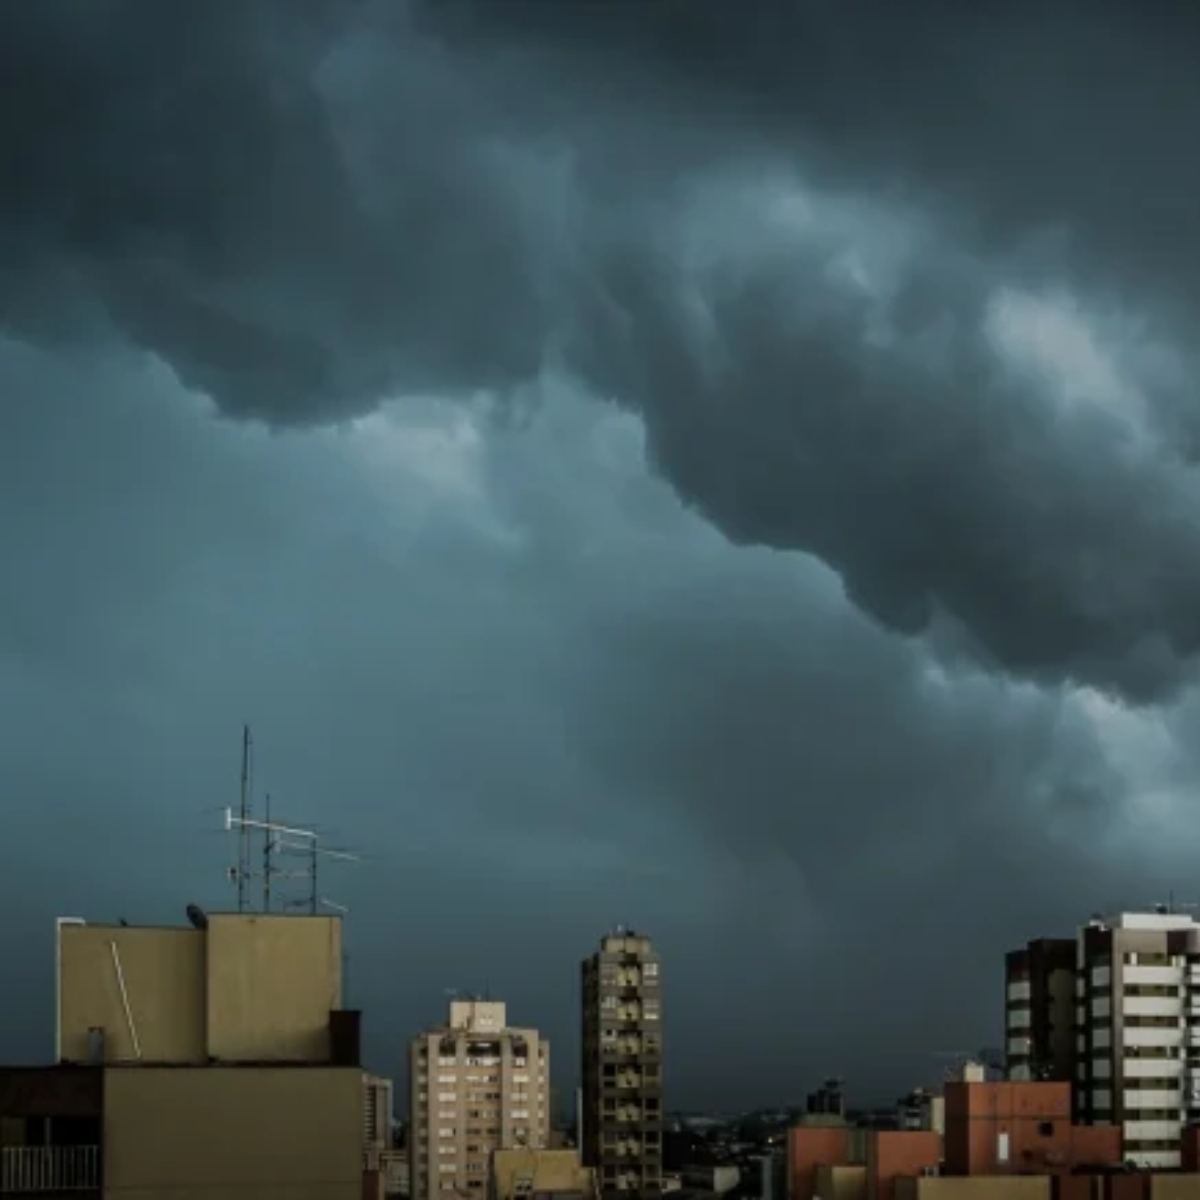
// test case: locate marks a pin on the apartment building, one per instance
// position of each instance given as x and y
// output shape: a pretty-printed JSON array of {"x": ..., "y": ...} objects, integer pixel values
[
  {"x": 200, "y": 1062},
  {"x": 1136, "y": 1057},
  {"x": 1040, "y": 1011},
  {"x": 1138, "y": 1016},
  {"x": 621, "y": 1105},
  {"x": 476, "y": 1086}
]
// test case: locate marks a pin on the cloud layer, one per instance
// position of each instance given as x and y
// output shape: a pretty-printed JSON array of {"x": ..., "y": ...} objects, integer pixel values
[
  {"x": 305, "y": 216},
  {"x": 547, "y": 328}
]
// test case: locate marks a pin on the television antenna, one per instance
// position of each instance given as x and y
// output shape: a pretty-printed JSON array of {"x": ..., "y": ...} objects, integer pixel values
[
  {"x": 284, "y": 841},
  {"x": 242, "y": 870}
]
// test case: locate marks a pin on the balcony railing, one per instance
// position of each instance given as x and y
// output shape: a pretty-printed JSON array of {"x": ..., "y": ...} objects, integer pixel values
[{"x": 27, "y": 1170}]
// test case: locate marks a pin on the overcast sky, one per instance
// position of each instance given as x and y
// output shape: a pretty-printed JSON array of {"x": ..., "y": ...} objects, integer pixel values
[{"x": 724, "y": 468}]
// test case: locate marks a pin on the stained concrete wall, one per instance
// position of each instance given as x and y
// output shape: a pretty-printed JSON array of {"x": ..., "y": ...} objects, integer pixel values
[{"x": 233, "y": 1133}]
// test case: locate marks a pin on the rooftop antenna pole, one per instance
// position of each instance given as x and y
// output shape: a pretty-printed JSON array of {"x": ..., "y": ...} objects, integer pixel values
[
  {"x": 290, "y": 840},
  {"x": 314, "y": 895},
  {"x": 268, "y": 850},
  {"x": 243, "y": 866}
]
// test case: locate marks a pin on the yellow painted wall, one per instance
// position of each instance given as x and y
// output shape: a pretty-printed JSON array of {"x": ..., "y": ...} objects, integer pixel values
[
  {"x": 272, "y": 981},
  {"x": 841, "y": 1183},
  {"x": 974, "y": 1187},
  {"x": 1175, "y": 1187},
  {"x": 164, "y": 980},
  {"x": 233, "y": 1133},
  {"x": 547, "y": 1171}
]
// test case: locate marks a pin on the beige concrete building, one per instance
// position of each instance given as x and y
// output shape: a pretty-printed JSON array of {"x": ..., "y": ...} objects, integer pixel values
[
  {"x": 518, "y": 1174},
  {"x": 377, "y": 1119},
  {"x": 838, "y": 1182},
  {"x": 974, "y": 1187},
  {"x": 476, "y": 1086},
  {"x": 244, "y": 988},
  {"x": 211, "y": 1133},
  {"x": 396, "y": 1175},
  {"x": 196, "y": 1063}
]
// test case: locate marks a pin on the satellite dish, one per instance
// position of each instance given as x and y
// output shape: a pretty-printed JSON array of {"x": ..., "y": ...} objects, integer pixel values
[{"x": 197, "y": 916}]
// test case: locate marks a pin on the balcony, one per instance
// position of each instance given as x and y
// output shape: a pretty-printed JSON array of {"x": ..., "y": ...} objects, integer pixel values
[{"x": 43, "y": 1170}]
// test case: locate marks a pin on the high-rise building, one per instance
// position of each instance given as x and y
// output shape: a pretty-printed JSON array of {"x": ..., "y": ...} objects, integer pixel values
[
  {"x": 1138, "y": 996},
  {"x": 1136, "y": 984},
  {"x": 476, "y": 1086},
  {"x": 621, "y": 1096},
  {"x": 1040, "y": 1011}
]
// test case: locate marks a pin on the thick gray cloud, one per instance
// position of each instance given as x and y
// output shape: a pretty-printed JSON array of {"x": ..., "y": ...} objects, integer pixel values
[
  {"x": 303, "y": 215},
  {"x": 878, "y": 324}
]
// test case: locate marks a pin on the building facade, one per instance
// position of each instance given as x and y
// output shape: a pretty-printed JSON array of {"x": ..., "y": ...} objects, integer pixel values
[
  {"x": 1040, "y": 1011},
  {"x": 1138, "y": 1016},
  {"x": 1135, "y": 1063},
  {"x": 476, "y": 1086},
  {"x": 237, "y": 988},
  {"x": 377, "y": 1119},
  {"x": 1021, "y": 1128},
  {"x": 535, "y": 1174},
  {"x": 194, "y": 1063},
  {"x": 621, "y": 1107}
]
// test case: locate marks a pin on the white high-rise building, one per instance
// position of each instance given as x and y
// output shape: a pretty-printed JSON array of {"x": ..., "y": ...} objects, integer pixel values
[
  {"x": 476, "y": 1086},
  {"x": 1137, "y": 1052}
]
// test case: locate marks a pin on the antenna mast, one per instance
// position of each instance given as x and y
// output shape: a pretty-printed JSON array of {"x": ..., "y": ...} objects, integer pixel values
[
  {"x": 242, "y": 872},
  {"x": 268, "y": 850},
  {"x": 288, "y": 840}
]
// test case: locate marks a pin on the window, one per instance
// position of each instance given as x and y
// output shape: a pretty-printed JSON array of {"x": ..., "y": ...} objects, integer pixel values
[
  {"x": 650, "y": 970},
  {"x": 1046, "y": 1128}
]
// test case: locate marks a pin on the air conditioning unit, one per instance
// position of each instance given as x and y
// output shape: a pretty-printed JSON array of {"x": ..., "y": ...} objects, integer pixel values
[{"x": 927, "y": 1171}]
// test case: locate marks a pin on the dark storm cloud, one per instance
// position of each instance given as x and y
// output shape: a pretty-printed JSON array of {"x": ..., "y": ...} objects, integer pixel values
[
  {"x": 779, "y": 237},
  {"x": 878, "y": 817},
  {"x": 509, "y": 649}
]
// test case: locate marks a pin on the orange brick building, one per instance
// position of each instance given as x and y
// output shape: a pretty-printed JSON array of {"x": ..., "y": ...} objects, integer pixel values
[
  {"x": 843, "y": 1163},
  {"x": 1021, "y": 1129},
  {"x": 1019, "y": 1132}
]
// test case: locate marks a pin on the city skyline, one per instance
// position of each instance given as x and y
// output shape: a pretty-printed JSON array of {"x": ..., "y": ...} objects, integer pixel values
[{"x": 709, "y": 467}]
